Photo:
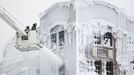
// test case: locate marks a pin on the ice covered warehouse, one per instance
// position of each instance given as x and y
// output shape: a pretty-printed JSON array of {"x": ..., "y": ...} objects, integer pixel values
[{"x": 80, "y": 37}]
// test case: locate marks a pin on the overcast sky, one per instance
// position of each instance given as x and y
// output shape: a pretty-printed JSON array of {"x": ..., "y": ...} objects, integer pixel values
[{"x": 27, "y": 12}]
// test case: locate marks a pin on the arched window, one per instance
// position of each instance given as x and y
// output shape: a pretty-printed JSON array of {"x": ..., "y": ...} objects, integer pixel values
[{"x": 57, "y": 36}]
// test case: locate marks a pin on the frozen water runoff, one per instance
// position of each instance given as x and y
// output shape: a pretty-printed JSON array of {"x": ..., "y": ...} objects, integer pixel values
[{"x": 38, "y": 62}]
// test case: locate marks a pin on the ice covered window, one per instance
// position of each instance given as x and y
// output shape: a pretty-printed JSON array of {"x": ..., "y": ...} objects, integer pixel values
[
  {"x": 109, "y": 68},
  {"x": 61, "y": 38},
  {"x": 24, "y": 37},
  {"x": 98, "y": 67},
  {"x": 62, "y": 70},
  {"x": 102, "y": 53},
  {"x": 108, "y": 39},
  {"x": 53, "y": 40},
  {"x": 57, "y": 36},
  {"x": 98, "y": 39}
]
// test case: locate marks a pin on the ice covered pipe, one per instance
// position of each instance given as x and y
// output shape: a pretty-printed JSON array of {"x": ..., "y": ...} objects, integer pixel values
[{"x": 10, "y": 20}]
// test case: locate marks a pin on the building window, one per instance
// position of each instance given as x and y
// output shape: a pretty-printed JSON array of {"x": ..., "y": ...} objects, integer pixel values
[
  {"x": 62, "y": 70},
  {"x": 24, "y": 37},
  {"x": 57, "y": 36},
  {"x": 53, "y": 40},
  {"x": 98, "y": 39},
  {"x": 61, "y": 38},
  {"x": 108, "y": 39},
  {"x": 109, "y": 68},
  {"x": 102, "y": 53},
  {"x": 98, "y": 67}
]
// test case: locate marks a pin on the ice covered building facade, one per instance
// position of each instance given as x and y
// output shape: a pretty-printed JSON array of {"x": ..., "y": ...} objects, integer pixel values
[{"x": 91, "y": 37}]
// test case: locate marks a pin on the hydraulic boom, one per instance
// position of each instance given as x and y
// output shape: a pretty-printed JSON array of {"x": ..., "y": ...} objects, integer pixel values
[{"x": 8, "y": 18}]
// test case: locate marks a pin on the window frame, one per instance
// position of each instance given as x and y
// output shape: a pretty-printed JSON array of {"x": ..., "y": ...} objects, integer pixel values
[
  {"x": 98, "y": 38},
  {"x": 55, "y": 34},
  {"x": 109, "y": 37},
  {"x": 24, "y": 38},
  {"x": 60, "y": 40},
  {"x": 98, "y": 64},
  {"x": 109, "y": 68},
  {"x": 56, "y": 30}
]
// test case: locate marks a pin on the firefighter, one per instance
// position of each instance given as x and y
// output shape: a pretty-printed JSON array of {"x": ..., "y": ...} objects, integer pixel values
[
  {"x": 34, "y": 26},
  {"x": 27, "y": 29}
]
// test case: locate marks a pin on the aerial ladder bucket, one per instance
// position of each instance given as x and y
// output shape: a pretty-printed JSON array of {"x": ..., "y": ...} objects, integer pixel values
[{"x": 24, "y": 41}]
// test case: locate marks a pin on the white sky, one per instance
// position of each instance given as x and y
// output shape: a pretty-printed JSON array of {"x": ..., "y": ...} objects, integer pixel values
[{"x": 27, "y": 12}]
